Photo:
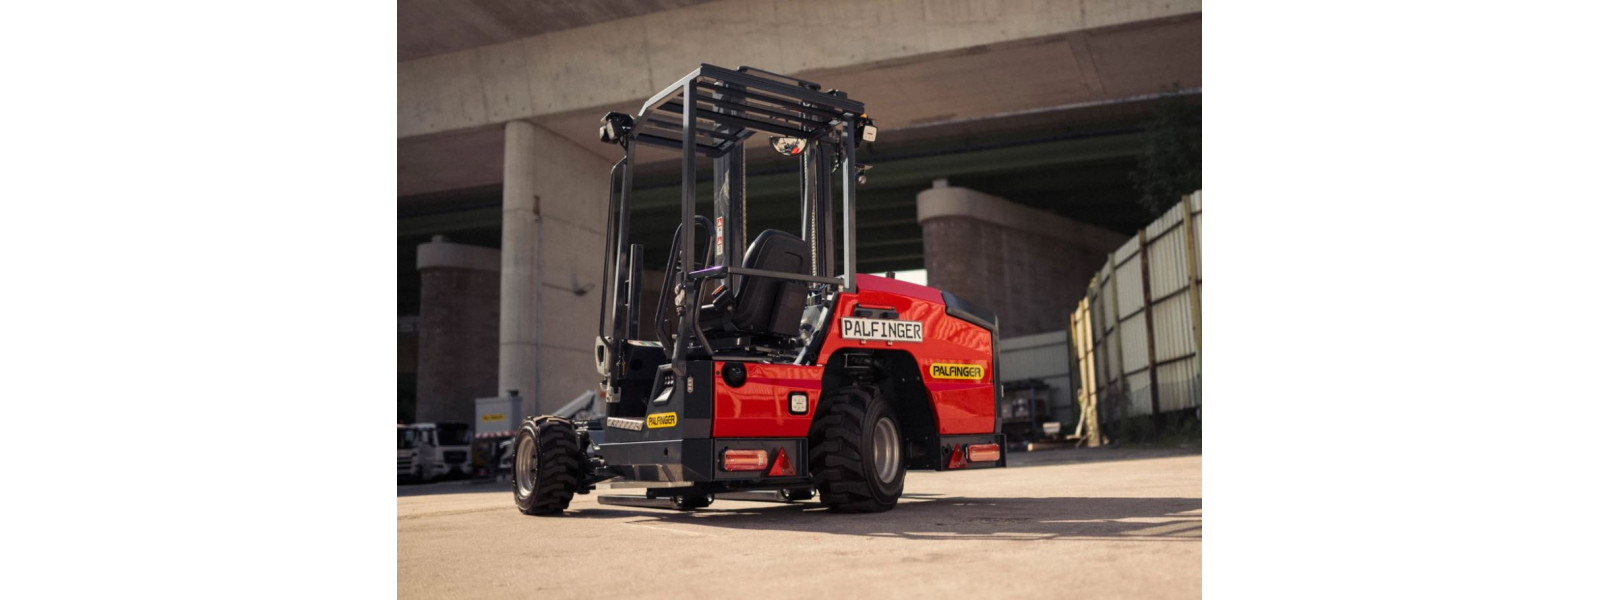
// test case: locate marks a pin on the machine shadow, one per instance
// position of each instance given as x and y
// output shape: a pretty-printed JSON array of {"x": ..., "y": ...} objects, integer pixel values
[
  {"x": 451, "y": 487},
  {"x": 933, "y": 517}
]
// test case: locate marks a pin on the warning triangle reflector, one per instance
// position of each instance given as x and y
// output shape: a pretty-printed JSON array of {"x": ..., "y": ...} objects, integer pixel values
[
  {"x": 781, "y": 467},
  {"x": 958, "y": 459}
]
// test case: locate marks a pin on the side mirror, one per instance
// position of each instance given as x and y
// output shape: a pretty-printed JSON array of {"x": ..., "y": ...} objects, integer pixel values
[{"x": 789, "y": 146}]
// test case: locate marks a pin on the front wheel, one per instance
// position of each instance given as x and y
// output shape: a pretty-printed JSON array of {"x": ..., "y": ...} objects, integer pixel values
[
  {"x": 545, "y": 465},
  {"x": 856, "y": 457}
]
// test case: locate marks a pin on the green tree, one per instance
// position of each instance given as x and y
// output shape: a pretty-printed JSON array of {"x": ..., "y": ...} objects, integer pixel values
[{"x": 1169, "y": 166}]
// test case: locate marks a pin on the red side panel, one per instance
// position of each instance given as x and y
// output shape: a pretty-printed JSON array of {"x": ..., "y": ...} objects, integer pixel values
[
  {"x": 961, "y": 406},
  {"x": 760, "y": 407},
  {"x": 895, "y": 286}
]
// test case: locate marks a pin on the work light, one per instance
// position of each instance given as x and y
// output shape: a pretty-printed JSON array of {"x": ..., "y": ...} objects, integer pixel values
[
  {"x": 866, "y": 131},
  {"x": 798, "y": 403}
]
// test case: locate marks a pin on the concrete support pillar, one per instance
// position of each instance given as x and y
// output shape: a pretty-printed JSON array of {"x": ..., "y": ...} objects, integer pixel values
[
  {"x": 552, "y": 250},
  {"x": 457, "y": 329},
  {"x": 1029, "y": 266},
  {"x": 519, "y": 262}
]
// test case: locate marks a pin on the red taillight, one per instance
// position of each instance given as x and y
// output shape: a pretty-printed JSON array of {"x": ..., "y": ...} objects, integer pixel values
[
  {"x": 781, "y": 467},
  {"x": 983, "y": 452},
  {"x": 744, "y": 460}
]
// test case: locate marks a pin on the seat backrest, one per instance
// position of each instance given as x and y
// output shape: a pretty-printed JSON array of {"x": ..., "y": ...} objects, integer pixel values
[{"x": 767, "y": 305}]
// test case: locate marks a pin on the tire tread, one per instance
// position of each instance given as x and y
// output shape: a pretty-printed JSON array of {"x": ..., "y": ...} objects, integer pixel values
[
  {"x": 837, "y": 460},
  {"x": 559, "y": 466}
]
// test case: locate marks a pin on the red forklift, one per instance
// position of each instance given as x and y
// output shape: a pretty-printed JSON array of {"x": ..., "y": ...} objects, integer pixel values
[{"x": 771, "y": 366}]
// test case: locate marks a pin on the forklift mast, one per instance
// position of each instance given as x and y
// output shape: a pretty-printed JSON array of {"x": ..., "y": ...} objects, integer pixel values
[{"x": 713, "y": 112}]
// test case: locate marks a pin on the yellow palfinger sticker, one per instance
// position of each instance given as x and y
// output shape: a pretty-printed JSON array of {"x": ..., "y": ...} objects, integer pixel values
[
  {"x": 494, "y": 417},
  {"x": 955, "y": 371},
  {"x": 660, "y": 420}
]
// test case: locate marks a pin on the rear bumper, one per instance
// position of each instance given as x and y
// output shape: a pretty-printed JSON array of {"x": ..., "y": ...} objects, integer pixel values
[
  {"x": 953, "y": 451},
  {"x": 700, "y": 460}
]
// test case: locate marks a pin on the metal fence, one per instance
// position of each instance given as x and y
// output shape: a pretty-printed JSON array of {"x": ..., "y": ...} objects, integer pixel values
[{"x": 1136, "y": 333}]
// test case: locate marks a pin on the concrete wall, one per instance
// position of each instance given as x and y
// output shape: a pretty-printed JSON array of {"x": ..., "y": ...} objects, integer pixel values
[
  {"x": 1027, "y": 265},
  {"x": 457, "y": 339}
]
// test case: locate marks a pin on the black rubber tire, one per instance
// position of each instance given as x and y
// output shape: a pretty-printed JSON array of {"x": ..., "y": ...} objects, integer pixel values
[
  {"x": 691, "y": 501},
  {"x": 555, "y": 464},
  {"x": 841, "y": 456}
]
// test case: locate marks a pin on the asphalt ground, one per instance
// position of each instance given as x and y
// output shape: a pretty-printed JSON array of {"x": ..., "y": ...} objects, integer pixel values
[{"x": 1102, "y": 523}]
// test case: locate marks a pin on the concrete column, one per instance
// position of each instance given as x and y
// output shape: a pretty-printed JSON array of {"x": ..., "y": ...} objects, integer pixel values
[
  {"x": 519, "y": 262},
  {"x": 1029, "y": 266},
  {"x": 552, "y": 247},
  {"x": 457, "y": 329}
]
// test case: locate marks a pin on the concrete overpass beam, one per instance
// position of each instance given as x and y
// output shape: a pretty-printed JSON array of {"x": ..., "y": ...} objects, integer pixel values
[{"x": 616, "y": 63}]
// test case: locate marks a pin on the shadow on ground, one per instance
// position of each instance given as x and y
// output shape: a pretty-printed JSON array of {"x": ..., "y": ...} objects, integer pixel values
[
  {"x": 936, "y": 517},
  {"x": 1017, "y": 461},
  {"x": 463, "y": 486}
]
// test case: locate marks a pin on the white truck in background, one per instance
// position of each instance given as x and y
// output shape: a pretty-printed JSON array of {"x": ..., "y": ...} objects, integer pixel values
[{"x": 428, "y": 451}]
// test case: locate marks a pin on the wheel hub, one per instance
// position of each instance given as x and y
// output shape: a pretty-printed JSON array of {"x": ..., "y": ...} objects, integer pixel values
[
  {"x": 886, "y": 449},
  {"x": 527, "y": 465}
]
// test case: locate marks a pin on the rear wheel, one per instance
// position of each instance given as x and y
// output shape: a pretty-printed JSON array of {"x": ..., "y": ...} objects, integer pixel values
[
  {"x": 856, "y": 457},
  {"x": 545, "y": 465}
]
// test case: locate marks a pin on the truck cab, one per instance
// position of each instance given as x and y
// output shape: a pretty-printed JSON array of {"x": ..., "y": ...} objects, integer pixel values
[{"x": 428, "y": 451}]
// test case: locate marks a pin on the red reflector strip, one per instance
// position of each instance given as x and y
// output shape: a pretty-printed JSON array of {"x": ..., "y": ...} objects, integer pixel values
[
  {"x": 744, "y": 460},
  {"x": 781, "y": 467},
  {"x": 958, "y": 458},
  {"x": 983, "y": 452}
]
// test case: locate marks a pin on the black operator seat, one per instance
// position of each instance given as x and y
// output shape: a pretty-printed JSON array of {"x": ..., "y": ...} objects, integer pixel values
[{"x": 763, "y": 305}]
